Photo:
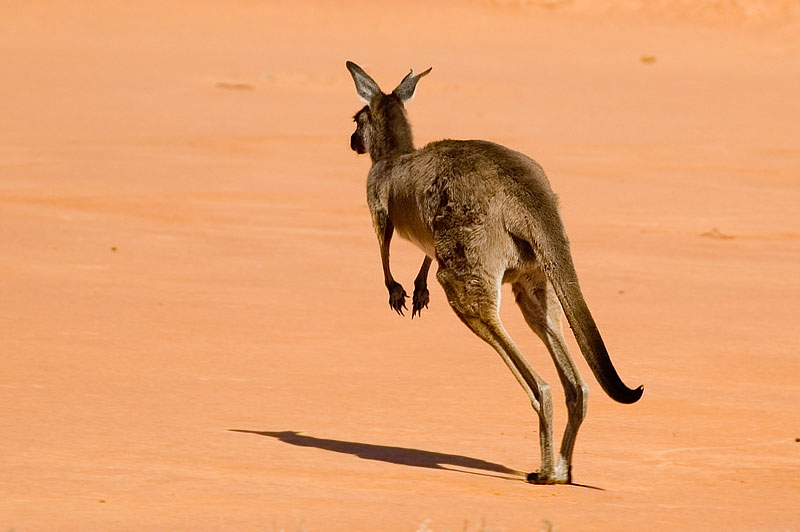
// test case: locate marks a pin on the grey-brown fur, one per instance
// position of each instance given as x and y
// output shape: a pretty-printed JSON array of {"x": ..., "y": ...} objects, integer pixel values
[{"x": 486, "y": 215}]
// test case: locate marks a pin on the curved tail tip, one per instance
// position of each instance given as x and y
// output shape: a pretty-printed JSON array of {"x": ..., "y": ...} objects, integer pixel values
[{"x": 632, "y": 396}]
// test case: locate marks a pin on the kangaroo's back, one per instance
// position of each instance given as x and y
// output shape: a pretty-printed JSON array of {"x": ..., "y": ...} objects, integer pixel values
[{"x": 467, "y": 176}]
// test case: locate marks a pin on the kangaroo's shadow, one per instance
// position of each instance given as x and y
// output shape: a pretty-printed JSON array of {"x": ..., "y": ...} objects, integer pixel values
[{"x": 397, "y": 455}]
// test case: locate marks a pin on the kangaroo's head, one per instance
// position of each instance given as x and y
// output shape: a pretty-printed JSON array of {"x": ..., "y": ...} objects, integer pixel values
[{"x": 382, "y": 127}]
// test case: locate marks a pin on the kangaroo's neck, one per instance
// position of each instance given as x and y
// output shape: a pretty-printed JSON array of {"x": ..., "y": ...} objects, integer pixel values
[{"x": 392, "y": 131}]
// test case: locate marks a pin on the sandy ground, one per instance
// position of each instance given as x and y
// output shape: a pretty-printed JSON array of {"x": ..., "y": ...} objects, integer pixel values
[{"x": 195, "y": 335}]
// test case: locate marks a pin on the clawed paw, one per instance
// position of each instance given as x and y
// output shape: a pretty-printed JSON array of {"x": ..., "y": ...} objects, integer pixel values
[
  {"x": 420, "y": 301},
  {"x": 397, "y": 298}
]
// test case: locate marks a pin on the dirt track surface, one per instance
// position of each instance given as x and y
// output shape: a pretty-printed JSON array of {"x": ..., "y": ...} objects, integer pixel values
[{"x": 195, "y": 334}]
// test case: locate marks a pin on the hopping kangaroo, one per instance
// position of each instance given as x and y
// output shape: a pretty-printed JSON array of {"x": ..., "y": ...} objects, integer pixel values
[{"x": 487, "y": 215}]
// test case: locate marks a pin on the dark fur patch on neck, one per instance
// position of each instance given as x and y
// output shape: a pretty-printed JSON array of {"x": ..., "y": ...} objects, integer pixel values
[{"x": 392, "y": 130}]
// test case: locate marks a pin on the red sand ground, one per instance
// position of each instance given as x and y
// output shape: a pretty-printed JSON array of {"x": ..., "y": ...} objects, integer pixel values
[{"x": 187, "y": 250}]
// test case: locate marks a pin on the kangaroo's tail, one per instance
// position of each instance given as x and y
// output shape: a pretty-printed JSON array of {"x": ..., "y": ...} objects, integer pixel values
[{"x": 552, "y": 249}]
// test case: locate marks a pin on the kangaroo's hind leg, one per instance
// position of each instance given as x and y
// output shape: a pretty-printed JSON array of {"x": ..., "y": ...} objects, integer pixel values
[
  {"x": 475, "y": 300},
  {"x": 541, "y": 309}
]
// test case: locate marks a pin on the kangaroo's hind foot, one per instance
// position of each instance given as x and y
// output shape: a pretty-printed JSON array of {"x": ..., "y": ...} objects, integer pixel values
[{"x": 562, "y": 475}]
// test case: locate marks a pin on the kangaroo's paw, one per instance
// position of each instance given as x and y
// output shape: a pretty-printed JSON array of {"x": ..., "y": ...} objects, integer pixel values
[
  {"x": 397, "y": 298},
  {"x": 420, "y": 301}
]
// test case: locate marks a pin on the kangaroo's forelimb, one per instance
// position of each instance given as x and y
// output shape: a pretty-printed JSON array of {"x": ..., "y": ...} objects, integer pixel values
[
  {"x": 397, "y": 294},
  {"x": 421, "y": 294}
]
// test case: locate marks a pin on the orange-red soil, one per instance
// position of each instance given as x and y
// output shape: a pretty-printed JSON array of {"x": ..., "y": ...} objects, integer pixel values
[{"x": 195, "y": 333}]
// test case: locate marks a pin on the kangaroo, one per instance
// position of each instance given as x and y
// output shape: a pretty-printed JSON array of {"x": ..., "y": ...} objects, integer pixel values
[{"x": 488, "y": 216}]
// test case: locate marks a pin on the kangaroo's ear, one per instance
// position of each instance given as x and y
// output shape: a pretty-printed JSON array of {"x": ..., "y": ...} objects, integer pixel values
[
  {"x": 405, "y": 91},
  {"x": 365, "y": 85}
]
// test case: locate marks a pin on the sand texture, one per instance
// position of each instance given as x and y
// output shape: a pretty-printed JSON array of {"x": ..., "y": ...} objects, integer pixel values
[{"x": 194, "y": 331}]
